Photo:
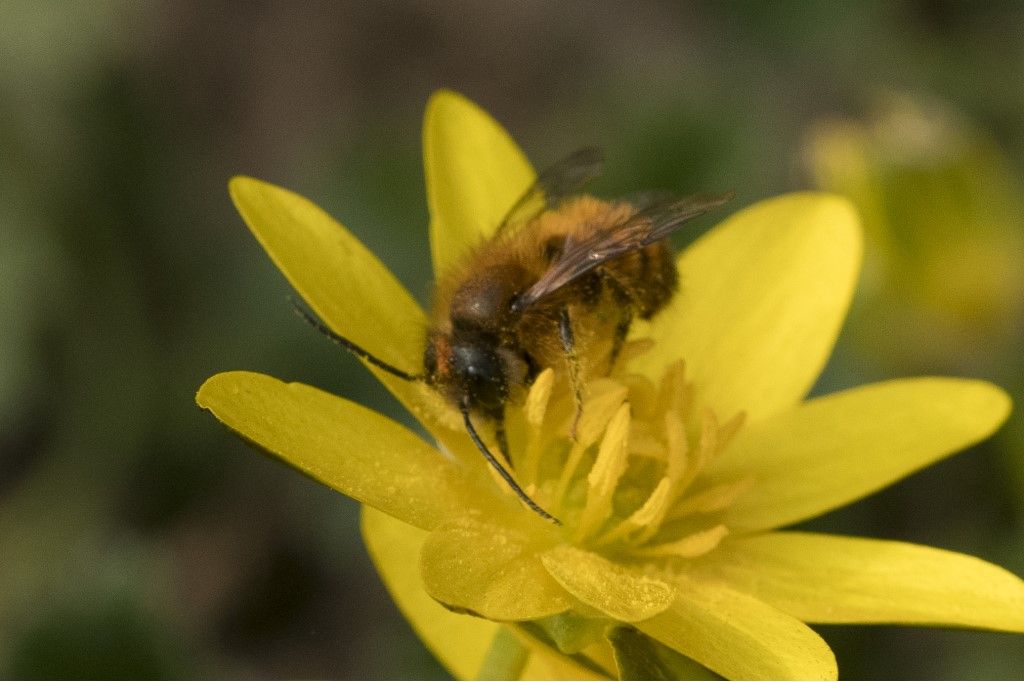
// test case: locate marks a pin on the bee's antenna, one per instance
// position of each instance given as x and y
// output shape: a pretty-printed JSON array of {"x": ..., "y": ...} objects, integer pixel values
[
  {"x": 353, "y": 348},
  {"x": 502, "y": 471}
]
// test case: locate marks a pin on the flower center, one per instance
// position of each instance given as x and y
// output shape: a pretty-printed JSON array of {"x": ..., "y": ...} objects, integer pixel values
[{"x": 629, "y": 484}]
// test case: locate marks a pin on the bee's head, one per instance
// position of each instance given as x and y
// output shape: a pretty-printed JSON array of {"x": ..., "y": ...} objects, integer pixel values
[{"x": 469, "y": 371}]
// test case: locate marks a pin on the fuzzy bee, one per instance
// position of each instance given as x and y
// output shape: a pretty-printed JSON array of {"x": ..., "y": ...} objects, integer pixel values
[{"x": 564, "y": 274}]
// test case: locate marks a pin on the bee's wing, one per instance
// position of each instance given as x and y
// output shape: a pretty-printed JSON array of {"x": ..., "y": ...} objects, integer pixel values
[
  {"x": 641, "y": 229},
  {"x": 563, "y": 179}
]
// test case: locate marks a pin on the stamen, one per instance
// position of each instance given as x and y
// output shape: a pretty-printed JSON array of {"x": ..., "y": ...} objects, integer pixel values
[
  {"x": 643, "y": 443},
  {"x": 708, "y": 434},
  {"x": 611, "y": 462},
  {"x": 689, "y": 547},
  {"x": 728, "y": 431},
  {"x": 713, "y": 499},
  {"x": 706, "y": 446},
  {"x": 678, "y": 467},
  {"x": 651, "y": 513},
  {"x": 534, "y": 410},
  {"x": 654, "y": 431},
  {"x": 572, "y": 463},
  {"x": 653, "y": 510},
  {"x": 606, "y": 397},
  {"x": 679, "y": 392},
  {"x": 678, "y": 446},
  {"x": 538, "y": 397}
]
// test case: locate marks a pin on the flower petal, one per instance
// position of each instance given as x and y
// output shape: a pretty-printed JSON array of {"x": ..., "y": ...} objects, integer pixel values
[
  {"x": 343, "y": 445},
  {"x": 460, "y": 642},
  {"x": 547, "y": 665},
  {"x": 761, "y": 301},
  {"x": 833, "y": 579},
  {"x": 833, "y": 450},
  {"x": 490, "y": 570},
  {"x": 340, "y": 279},
  {"x": 611, "y": 588},
  {"x": 738, "y": 636},
  {"x": 349, "y": 289},
  {"x": 474, "y": 173}
]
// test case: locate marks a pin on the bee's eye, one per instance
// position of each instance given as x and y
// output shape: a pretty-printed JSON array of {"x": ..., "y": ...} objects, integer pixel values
[{"x": 481, "y": 376}]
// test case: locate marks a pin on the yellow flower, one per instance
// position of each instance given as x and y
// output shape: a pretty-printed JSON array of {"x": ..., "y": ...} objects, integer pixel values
[
  {"x": 672, "y": 494},
  {"x": 923, "y": 177}
]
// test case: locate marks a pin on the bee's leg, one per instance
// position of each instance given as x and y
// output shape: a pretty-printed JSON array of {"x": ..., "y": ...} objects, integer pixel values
[
  {"x": 573, "y": 361},
  {"x": 625, "y": 303},
  {"x": 502, "y": 438},
  {"x": 621, "y": 332}
]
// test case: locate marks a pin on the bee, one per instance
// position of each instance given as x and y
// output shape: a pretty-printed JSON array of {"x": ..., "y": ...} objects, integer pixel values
[{"x": 564, "y": 273}]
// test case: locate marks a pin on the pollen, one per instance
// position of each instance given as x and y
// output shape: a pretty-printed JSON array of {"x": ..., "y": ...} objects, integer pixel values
[{"x": 630, "y": 483}]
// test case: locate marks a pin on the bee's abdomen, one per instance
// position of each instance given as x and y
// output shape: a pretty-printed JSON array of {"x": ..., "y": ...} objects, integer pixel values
[{"x": 646, "y": 279}]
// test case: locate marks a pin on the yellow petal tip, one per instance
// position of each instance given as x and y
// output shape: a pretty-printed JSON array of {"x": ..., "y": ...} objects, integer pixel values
[
  {"x": 832, "y": 212},
  {"x": 995, "y": 399},
  {"x": 446, "y": 97},
  {"x": 212, "y": 384},
  {"x": 240, "y": 183},
  {"x": 246, "y": 193}
]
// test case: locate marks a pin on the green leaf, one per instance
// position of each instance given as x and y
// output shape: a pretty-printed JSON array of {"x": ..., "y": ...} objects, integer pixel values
[
  {"x": 639, "y": 657},
  {"x": 572, "y": 632}
]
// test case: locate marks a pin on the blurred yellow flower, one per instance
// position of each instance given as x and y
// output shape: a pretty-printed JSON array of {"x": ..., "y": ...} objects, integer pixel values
[
  {"x": 669, "y": 558},
  {"x": 943, "y": 212}
]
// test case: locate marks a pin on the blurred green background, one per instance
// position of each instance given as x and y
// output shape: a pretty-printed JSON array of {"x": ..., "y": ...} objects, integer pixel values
[{"x": 140, "y": 539}]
